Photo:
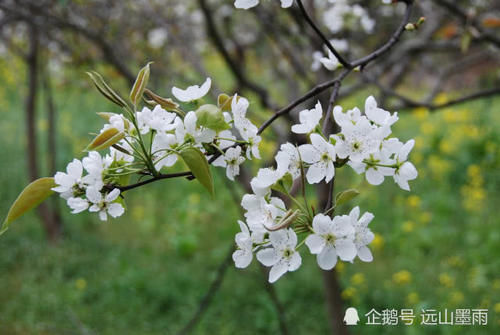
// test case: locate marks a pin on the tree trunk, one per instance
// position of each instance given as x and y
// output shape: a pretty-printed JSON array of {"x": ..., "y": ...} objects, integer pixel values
[
  {"x": 51, "y": 143},
  {"x": 52, "y": 229}
]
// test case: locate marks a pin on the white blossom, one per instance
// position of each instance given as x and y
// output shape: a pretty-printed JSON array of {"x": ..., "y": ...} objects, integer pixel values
[
  {"x": 261, "y": 214},
  {"x": 332, "y": 239},
  {"x": 157, "y": 119},
  {"x": 320, "y": 155},
  {"x": 192, "y": 93},
  {"x": 66, "y": 182},
  {"x": 331, "y": 62},
  {"x": 78, "y": 205},
  {"x": 104, "y": 204},
  {"x": 405, "y": 170},
  {"x": 379, "y": 116},
  {"x": 95, "y": 165},
  {"x": 231, "y": 160},
  {"x": 163, "y": 148},
  {"x": 309, "y": 120},
  {"x": 243, "y": 255},
  {"x": 362, "y": 235},
  {"x": 266, "y": 177},
  {"x": 281, "y": 256},
  {"x": 247, "y": 4},
  {"x": 199, "y": 134},
  {"x": 288, "y": 160},
  {"x": 357, "y": 141}
]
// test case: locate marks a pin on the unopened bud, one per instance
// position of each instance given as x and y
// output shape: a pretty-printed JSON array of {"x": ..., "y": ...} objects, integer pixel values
[{"x": 410, "y": 27}]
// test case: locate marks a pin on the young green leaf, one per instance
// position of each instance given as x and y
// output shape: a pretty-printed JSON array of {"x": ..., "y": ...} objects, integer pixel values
[
  {"x": 210, "y": 116},
  {"x": 105, "y": 89},
  {"x": 345, "y": 196},
  {"x": 198, "y": 164},
  {"x": 33, "y": 195},
  {"x": 140, "y": 85},
  {"x": 105, "y": 139}
]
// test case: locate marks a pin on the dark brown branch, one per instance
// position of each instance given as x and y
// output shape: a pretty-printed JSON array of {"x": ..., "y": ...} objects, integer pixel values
[
  {"x": 149, "y": 181},
  {"x": 362, "y": 62},
  {"x": 318, "y": 31}
]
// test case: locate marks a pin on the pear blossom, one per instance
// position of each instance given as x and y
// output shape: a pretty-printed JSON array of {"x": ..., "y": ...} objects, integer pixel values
[
  {"x": 116, "y": 121},
  {"x": 95, "y": 165},
  {"x": 104, "y": 204},
  {"x": 358, "y": 141},
  {"x": 281, "y": 256},
  {"x": 331, "y": 63},
  {"x": 199, "y": 134},
  {"x": 245, "y": 127},
  {"x": 192, "y": 93},
  {"x": 376, "y": 167},
  {"x": 67, "y": 182},
  {"x": 288, "y": 160},
  {"x": 78, "y": 205},
  {"x": 225, "y": 139},
  {"x": 321, "y": 155},
  {"x": 231, "y": 160},
  {"x": 332, "y": 238},
  {"x": 119, "y": 156},
  {"x": 309, "y": 120},
  {"x": 350, "y": 117},
  {"x": 253, "y": 146},
  {"x": 243, "y": 255},
  {"x": 247, "y": 4},
  {"x": 163, "y": 148},
  {"x": 362, "y": 235},
  {"x": 157, "y": 119},
  {"x": 266, "y": 177},
  {"x": 379, "y": 116},
  {"x": 405, "y": 170},
  {"x": 261, "y": 214}
]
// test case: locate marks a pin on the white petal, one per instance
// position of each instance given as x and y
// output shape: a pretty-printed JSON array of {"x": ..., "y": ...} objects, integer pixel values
[
  {"x": 315, "y": 173},
  {"x": 374, "y": 177},
  {"x": 93, "y": 195},
  {"x": 309, "y": 154},
  {"x": 103, "y": 216},
  {"x": 115, "y": 210},
  {"x": 345, "y": 249},
  {"x": 278, "y": 270},
  {"x": 267, "y": 257},
  {"x": 315, "y": 243},
  {"x": 327, "y": 258},
  {"x": 242, "y": 258},
  {"x": 365, "y": 254},
  {"x": 112, "y": 195},
  {"x": 294, "y": 262}
]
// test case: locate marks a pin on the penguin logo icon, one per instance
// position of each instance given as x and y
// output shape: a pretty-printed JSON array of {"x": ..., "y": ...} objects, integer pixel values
[{"x": 351, "y": 317}]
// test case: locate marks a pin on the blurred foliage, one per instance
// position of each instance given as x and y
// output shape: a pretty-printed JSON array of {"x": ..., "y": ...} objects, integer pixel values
[{"x": 436, "y": 247}]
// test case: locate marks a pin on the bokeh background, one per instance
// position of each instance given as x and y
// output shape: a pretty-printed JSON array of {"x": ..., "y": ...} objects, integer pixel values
[{"x": 436, "y": 247}]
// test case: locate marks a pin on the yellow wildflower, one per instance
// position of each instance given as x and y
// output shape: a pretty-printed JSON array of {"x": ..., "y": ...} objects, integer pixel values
[{"x": 402, "y": 277}]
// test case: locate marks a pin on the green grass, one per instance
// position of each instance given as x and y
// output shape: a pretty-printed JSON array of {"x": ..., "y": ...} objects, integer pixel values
[{"x": 436, "y": 247}]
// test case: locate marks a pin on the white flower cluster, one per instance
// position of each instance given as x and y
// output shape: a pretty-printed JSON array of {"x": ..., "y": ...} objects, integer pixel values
[
  {"x": 341, "y": 13},
  {"x": 364, "y": 144},
  {"x": 169, "y": 133},
  {"x": 247, "y": 4},
  {"x": 87, "y": 192}
]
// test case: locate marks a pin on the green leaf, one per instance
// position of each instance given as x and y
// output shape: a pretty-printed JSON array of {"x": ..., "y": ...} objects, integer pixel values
[
  {"x": 105, "y": 139},
  {"x": 284, "y": 185},
  {"x": 33, "y": 195},
  {"x": 166, "y": 103},
  {"x": 105, "y": 89},
  {"x": 198, "y": 164},
  {"x": 140, "y": 85},
  {"x": 210, "y": 116},
  {"x": 345, "y": 196},
  {"x": 224, "y": 102}
]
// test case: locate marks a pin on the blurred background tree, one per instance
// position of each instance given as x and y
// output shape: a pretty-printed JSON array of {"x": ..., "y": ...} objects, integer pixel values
[{"x": 118, "y": 277}]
